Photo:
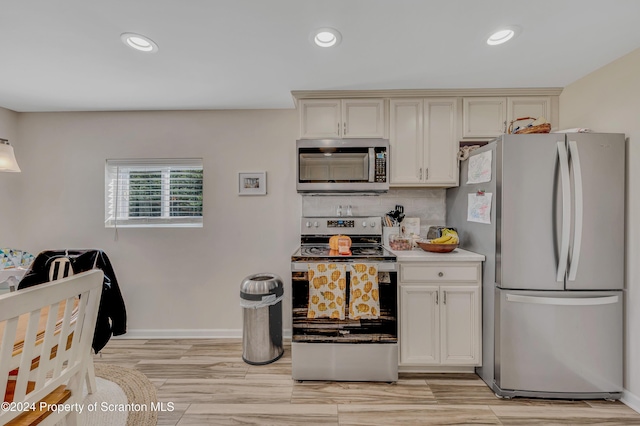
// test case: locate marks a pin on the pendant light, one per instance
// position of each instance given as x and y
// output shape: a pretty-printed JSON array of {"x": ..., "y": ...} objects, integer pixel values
[{"x": 8, "y": 161}]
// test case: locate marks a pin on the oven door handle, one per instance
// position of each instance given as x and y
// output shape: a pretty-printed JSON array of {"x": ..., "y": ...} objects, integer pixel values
[{"x": 382, "y": 266}]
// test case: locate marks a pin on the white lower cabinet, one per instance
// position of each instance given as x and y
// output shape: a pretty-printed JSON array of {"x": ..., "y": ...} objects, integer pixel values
[
  {"x": 419, "y": 325},
  {"x": 440, "y": 314}
]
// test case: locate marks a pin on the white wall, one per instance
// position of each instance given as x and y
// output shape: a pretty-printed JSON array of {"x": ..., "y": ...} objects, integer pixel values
[
  {"x": 10, "y": 183},
  {"x": 178, "y": 279},
  {"x": 608, "y": 100}
]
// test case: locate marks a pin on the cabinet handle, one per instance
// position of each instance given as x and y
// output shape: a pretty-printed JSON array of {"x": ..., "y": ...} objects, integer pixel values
[
  {"x": 420, "y": 173},
  {"x": 338, "y": 128},
  {"x": 437, "y": 297},
  {"x": 441, "y": 274},
  {"x": 427, "y": 174},
  {"x": 445, "y": 297},
  {"x": 344, "y": 126}
]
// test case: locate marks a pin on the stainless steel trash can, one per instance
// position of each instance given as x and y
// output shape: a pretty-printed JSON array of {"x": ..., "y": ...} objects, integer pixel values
[{"x": 261, "y": 301}]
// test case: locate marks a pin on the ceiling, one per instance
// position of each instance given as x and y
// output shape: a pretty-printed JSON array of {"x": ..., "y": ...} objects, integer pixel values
[{"x": 238, "y": 54}]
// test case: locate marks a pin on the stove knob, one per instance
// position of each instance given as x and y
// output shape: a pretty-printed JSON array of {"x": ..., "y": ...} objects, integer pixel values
[
  {"x": 372, "y": 224},
  {"x": 364, "y": 224},
  {"x": 308, "y": 224},
  {"x": 316, "y": 224}
]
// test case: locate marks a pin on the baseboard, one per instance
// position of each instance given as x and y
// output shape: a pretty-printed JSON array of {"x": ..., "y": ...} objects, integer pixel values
[
  {"x": 187, "y": 334},
  {"x": 436, "y": 369},
  {"x": 631, "y": 400}
]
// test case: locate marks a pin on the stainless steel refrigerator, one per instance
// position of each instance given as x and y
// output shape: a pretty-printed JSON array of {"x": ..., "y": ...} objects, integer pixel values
[{"x": 554, "y": 271}]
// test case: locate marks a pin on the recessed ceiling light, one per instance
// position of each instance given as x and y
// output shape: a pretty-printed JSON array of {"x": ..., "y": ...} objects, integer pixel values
[
  {"x": 326, "y": 37},
  {"x": 139, "y": 42},
  {"x": 502, "y": 36}
]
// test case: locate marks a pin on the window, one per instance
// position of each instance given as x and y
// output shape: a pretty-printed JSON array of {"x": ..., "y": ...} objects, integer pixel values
[{"x": 153, "y": 192}]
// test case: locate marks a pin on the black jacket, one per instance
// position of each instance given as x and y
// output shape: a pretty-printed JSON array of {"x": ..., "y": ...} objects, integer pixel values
[{"x": 112, "y": 314}]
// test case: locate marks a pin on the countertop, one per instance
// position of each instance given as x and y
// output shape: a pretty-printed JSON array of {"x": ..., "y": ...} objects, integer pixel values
[{"x": 419, "y": 255}]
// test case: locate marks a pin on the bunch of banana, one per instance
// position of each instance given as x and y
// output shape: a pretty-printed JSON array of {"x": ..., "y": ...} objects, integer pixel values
[
  {"x": 449, "y": 236},
  {"x": 447, "y": 231}
]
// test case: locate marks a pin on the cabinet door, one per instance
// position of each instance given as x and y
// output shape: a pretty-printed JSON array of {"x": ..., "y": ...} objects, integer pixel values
[
  {"x": 363, "y": 118},
  {"x": 533, "y": 106},
  {"x": 460, "y": 325},
  {"x": 441, "y": 141},
  {"x": 419, "y": 325},
  {"x": 483, "y": 117},
  {"x": 406, "y": 141},
  {"x": 320, "y": 118}
]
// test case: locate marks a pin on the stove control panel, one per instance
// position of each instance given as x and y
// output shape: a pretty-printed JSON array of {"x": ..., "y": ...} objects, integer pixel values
[{"x": 341, "y": 225}]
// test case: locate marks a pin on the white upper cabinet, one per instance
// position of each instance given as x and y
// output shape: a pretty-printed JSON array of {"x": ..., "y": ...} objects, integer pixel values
[
  {"x": 320, "y": 119},
  {"x": 483, "y": 117},
  {"x": 488, "y": 117},
  {"x": 362, "y": 118},
  {"x": 406, "y": 141},
  {"x": 533, "y": 106},
  {"x": 341, "y": 118},
  {"x": 441, "y": 142},
  {"x": 424, "y": 142}
]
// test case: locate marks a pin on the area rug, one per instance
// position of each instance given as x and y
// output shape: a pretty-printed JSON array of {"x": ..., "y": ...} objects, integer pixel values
[
  {"x": 140, "y": 393},
  {"x": 123, "y": 397}
]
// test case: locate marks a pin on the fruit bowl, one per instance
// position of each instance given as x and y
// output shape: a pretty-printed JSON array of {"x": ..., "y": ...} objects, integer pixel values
[{"x": 437, "y": 248}]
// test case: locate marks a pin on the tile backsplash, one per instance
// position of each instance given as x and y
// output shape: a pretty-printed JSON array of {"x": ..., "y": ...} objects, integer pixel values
[{"x": 427, "y": 204}]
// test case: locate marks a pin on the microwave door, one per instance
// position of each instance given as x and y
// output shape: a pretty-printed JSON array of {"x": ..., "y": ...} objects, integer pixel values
[{"x": 336, "y": 167}]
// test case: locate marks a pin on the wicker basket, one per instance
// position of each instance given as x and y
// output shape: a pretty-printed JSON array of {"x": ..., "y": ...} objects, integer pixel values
[{"x": 542, "y": 128}]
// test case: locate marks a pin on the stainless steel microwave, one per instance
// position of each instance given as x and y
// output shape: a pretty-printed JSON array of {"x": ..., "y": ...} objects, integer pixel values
[{"x": 342, "y": 165}]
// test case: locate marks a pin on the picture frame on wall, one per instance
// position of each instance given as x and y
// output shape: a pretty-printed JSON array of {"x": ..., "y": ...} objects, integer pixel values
[{"x": 252, "y": 183}]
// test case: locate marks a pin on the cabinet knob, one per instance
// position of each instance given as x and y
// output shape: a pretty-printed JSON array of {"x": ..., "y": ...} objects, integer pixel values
[{"x": 441, "y": 274}]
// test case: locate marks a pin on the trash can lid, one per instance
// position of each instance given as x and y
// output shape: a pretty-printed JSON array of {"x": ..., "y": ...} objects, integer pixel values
[{"x": 262, "y": 283}]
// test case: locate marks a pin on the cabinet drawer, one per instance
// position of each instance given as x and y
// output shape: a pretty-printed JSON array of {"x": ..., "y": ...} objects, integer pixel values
[{"x": 439, "y": 273}]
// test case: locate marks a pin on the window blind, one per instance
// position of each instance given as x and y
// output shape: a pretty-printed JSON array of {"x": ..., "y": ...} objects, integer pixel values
[{"x": 153, "y": 192}]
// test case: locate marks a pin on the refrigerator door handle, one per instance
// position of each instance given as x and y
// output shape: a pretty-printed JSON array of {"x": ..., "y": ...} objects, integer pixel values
[
  {"x": 563, "y": 301},
  {"x": 566, "y": 211},
  {"x": 579, "y": 208}
]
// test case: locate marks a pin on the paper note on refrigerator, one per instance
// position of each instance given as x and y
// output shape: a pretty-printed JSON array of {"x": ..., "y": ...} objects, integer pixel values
[
  {"x": 479, "y": 207},
  {"x": 479, "y": 169}
]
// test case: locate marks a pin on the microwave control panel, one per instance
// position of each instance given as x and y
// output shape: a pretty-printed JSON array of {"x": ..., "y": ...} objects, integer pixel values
[{"x": 381, "y": 166}]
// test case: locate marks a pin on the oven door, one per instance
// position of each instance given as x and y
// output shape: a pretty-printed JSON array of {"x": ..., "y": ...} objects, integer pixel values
[
  {"x": 342, "y": 165},
  {"x": 382, "y": 330}
]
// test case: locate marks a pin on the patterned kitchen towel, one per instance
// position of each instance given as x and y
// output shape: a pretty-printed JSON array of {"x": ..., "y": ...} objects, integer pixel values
[
  {"x": 327, "y": 284},
  {"x": 364, "y": 295}
]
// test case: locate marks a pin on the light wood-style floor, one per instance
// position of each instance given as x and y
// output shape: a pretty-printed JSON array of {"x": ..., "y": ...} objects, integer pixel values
[{"x": 210, "y": 385}]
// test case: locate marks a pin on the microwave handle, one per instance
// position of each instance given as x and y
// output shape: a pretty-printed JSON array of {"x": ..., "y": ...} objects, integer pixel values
[{"x": 372, "y": 165}]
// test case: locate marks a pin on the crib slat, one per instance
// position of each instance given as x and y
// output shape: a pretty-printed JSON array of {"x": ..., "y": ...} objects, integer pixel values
[
  {"x": 27, "y": 355},
  {"x": 6, "y": 351}
]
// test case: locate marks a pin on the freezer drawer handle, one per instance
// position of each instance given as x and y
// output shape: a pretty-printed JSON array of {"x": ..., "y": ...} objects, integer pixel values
[{"x": 563, "y": 301}]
